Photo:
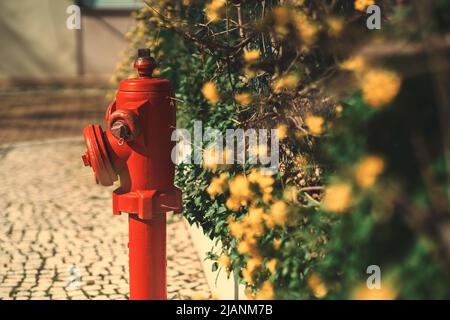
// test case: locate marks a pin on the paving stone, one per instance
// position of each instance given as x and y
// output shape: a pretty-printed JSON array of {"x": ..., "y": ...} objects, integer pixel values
[
  {"x": 58, "y": 235},
  {"x": 108, "y": 291}
]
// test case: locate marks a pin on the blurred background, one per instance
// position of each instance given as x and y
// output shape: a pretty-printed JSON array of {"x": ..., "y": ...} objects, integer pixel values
[{"x": 53, "y": 80}]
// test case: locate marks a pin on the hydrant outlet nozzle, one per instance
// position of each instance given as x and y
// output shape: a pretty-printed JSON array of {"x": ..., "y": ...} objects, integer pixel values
[{"x": 120, "y": 130}]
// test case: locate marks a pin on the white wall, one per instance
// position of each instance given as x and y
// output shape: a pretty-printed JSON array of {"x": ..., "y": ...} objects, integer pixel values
[
  {"x": 34, "y": 39},
  {"x": 36, "y": 44},
  {"x": 222, "y": 286}
]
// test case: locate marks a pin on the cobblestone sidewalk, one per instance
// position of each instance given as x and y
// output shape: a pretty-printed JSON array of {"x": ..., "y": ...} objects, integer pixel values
[{"x": 58, "y": 237}]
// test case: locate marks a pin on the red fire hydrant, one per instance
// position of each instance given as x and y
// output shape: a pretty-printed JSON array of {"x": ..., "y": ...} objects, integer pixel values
[{"x": 136, "y": 148}]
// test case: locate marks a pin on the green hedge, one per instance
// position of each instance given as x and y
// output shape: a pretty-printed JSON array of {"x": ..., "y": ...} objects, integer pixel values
[{"x": 364, "y": 168}]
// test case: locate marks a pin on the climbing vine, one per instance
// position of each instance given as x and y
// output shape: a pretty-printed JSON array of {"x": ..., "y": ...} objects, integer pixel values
[{"x": 361, "y": 117}]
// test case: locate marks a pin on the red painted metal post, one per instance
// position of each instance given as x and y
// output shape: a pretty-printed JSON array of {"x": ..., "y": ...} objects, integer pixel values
[
  {"x": 137, "y": 148},
  {"x": 147, "y": 249}
]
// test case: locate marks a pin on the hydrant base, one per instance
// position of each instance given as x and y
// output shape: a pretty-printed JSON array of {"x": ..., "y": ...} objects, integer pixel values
[{"x": 146, "y": 203}]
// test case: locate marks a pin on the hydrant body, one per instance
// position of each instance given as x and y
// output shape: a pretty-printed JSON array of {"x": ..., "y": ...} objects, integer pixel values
[{"x": 136, "y": 148}]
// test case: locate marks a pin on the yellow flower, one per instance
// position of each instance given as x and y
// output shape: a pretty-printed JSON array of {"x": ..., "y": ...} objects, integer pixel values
[
  {"x": 210, "y": 92},
  {"x": 355, "y": 64},
  {"x": 272, "y": 265},
  {"x": 250, "y": 237},
  {"x": 243, "y": 247},
  {"x": 300, "y": 161},
  {"x": 281, "y": 15},
  {"x": 265, "y": 184},
  {"x": 339, "y": 109},
  {"x": 210, "y": 159},
  {"x": 277, "y": 244},
  {"x": 240, "y": 187},
  {"x": 247, "y": 276},
  {"x": 239, "y": 193},
  {"x": 156, "y": 72},
  {"x": 269, "y": 221},
  {"x": 266, "y": 291},
  {"x": 253, "y": 221},
  {"x": 379, "y": 87},
  {"x": 244, "y": 98},
  {"x": 217, "y": 184},
  {"x": 213, "y": 9},
  {"x": 338, "y": 197},
  {"x": 233, "y": 204},
  {"x": 253, "y": 264},
  {"x": 249, "y": 294},
  {"x": 386, "y": 292},
  {"x": 361, "y": 5},
  {"x": 278, "y": 212},
  {"x": 254, "y": 216},
  {"x": 267, "y": 197},
  {"x": 236, "y": 229},
  {"x": 264, "y": 181},
  {"x": 224, "y": 261},
  {"x": 282, "y": 131},
  {"x": 288, "y": 82},
  {"x": 250, "y": 72},
  {"x": 368, "y": 170},
  {"x": 251, "y": 56},
  {"x": 223, "y": 177},
  {"x": 281, "y": 31},
  {"x": 254, "y": 176},
  {"x": 306, "y": 30},
  {"x": 315, "y": 124},
  {"x": 335, "y": 26},
  {"x": 214, "y": 188},
  {"x": 297, "y": 2},
  {"x": 317, "y": 286},
  {"x": 217, "y": 4}
]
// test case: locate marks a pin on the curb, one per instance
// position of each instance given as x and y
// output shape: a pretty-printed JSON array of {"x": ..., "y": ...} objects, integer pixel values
[{"x": 222, "y": 287}]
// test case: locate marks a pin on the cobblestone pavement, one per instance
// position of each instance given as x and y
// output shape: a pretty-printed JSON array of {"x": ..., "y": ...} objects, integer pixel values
[{"x": 58, "y": 237}]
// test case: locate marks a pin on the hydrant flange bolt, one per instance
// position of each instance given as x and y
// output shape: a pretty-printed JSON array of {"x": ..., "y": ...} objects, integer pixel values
[{"x": 86, "y": 161}]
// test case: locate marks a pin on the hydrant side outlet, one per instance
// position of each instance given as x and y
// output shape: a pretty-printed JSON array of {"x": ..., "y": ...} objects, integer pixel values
[{"x": 136, "y": 148}]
